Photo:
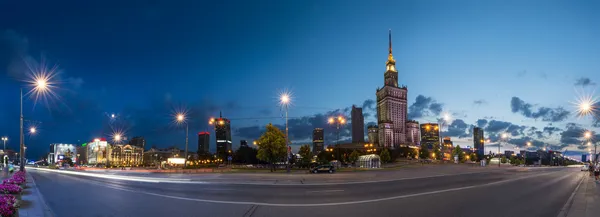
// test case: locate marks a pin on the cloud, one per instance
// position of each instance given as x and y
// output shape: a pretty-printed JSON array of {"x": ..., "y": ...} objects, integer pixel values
[
  {"x": 522, "y": 142},
  {"x": 300, "y": 129},
  {"x": 584, "y": 82},
  {"x": 459, "y": 129},
  {"x": 551, "y": 130},
  {"x": 480, "y": 102},
  {"x": 572, "y": 135},
  {"x": 424, "y": 106},
  {"x": 482, "y": 122},
  {"x": 545, "y": 113},
  {"x": 369, "y": 104}
]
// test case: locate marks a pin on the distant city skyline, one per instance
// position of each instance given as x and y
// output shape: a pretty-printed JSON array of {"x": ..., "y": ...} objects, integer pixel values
[{"x": 500, "y": 68}]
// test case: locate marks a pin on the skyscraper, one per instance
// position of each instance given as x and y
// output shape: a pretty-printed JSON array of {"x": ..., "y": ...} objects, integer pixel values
[
  {"x": 358, "y": 125},
  {"x": 318, "y": 141},
  {"x": 203, "y": 143},
  {"x": 391, "y": 106},
  {"x": 223, "y": 135},
  {"x": 478, "y": 142},
  {"x": 243, "y": 143},
  {"x": 430, "y": 135}
]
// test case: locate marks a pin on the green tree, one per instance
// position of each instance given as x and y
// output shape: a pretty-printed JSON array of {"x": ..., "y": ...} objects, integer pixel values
[
  {"x": 424, "y": 152},
  {"x": 385, "y": 156},
  {"x": 306, "y": 154},
  {"x": 354, "y": 156},
  {"x": 503, "y": 159},
  {"x": 271, "y": 146},
  {"x": 458, "y": 151},
  {"x": 436, "y": 152},
  {"x": 325, "y": 157},
  {"x": 513, "y": 160},
  {"x": 473, "y": 157}
]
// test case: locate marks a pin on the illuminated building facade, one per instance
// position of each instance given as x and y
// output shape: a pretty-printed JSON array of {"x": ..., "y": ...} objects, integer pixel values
[
  {"x": 203, "y": 143},
  {"x": 60, "y": 151},
  {"x": 223, "y": 136},
  {"x": 96, "y": 151},
  {"x": 412, "y": 133},
  {"x": 391, "y": 106},
  {"x": 318, "y": 140},
  {"x": 478, "y": 142},
  {"x": 125, "y": 155},
  {"x": 430, "y": 135},
  {"x": 447, "y": 148},
  {"x": 358, "y": 125},
  {"x": 373, "y": 135}
]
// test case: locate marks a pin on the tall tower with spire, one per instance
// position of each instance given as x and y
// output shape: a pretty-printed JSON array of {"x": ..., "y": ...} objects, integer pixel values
[{"x": 391, "y": 106}]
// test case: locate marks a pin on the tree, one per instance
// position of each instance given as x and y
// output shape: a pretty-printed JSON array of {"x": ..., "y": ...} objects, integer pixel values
[
  {"x": 458, "y": 151},
  {"x": 325, "y": 157},
  {"x": 503, "y": 159},
  {"x": 245, "y": 155},
  {"x": 306, "y": 154},
  {"x": 385, "y": 156},
  {"x": 354, "y": 156},
  {"x": 436, "y": 152},
  {"x": 473, "y": 157},
  {"x": 424, "y": 152},
  {"x": 271, "y": 146}
]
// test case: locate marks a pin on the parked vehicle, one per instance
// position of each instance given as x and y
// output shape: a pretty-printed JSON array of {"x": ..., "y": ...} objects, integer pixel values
[
  {"x": 323, "y": 169},
  {"x": 585, "y": 167}
]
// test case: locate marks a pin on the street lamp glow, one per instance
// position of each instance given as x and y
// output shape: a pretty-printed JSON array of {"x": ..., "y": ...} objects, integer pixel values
[
  {"x": 587, "y": 135},
  {"x": 285, "y": 98},
  {"x": 586, "y": 104},
  {"x": 528, "y": 143},
  {"x": 330, "y": 120},
  {"x": 504, "y": 135},
  {"x": 118, "y": 137},
  {"x": 180, "y": 117},
  {"x": 32, "y": 130}
]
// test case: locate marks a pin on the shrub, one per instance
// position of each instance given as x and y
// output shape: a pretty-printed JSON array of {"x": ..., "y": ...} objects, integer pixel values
[
  {"x": 8, "y": 188},
  {"x": 8, "y": 205}
]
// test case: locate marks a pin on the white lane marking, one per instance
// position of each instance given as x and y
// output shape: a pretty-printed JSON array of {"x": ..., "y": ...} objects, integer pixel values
[
  {"x": 189, "y": 181},
  {"x": 565, "y": 209},
  {"x": 324, "y": 191},
  {"x": 322, "y": 204}
]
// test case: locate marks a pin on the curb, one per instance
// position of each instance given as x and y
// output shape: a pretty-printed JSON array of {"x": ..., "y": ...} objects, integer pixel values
[{"x": 47, "y": 212}]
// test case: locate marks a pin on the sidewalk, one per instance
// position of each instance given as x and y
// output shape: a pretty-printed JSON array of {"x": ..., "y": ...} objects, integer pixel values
[
  {"x": 33, "y": 204},
  {"x": 586, "y": 201}
]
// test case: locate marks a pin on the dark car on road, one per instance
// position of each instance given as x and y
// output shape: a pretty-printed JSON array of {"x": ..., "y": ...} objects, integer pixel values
[{"x": 323, "y": 169}]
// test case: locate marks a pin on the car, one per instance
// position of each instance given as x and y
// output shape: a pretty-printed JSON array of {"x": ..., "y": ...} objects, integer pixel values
[
  {"x": 323, "y": 169},
  {"x": 585, "y": 167}
]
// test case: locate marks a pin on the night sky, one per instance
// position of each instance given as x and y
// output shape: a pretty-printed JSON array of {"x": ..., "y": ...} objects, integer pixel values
[{"x": 513, "y": 66}]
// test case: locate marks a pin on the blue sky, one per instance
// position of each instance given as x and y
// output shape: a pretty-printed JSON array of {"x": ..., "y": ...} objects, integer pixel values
[{"x": 141, "y": 60}]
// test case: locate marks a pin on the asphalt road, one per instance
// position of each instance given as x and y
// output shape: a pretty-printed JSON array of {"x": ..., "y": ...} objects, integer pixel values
[{"x": 526, "y": 192}]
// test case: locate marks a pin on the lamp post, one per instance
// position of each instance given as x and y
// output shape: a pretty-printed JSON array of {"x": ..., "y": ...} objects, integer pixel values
[
  {"x": 181, "y": 119},
  {"x": 339, "y": 121},
  {"x": 284, "y": 101},
  {"x": 4, "y": 140},
  {"x": 588, "y": 136},
  {"x": 504, "y": 137}
]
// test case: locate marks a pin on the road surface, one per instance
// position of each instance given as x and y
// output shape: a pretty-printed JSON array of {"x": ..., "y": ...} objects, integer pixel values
[{"x": 520, "y": 192}]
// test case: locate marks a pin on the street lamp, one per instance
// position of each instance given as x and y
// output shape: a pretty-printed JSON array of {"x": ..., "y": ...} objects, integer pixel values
[
  {"x": 181, "y": 119},
  {"x": 339, "y": 121},
  {"x": 588, "y": 136},
  {"x": 4, "y": 139},
  {"x": 284, "y": 101},
  {"x": 504, "y": 137}
]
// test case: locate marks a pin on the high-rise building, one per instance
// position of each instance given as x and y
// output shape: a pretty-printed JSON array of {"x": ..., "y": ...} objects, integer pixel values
[
  {"x": 358, "y": 125},
  {"x": 391, "y": 106},
  {"x": 447, "y": 148},
  {"x": 318, "y": 140},
  {"x": 430, "y": 135},
  {"x": 223, "y": 135},
  {"x": 138, "y": 141},
  {"x": 203, "y": 143},
  {"x": 243, "y": 143},
  {"x": 372, "y": 134},
  {"x": 412, "y": 133},
  {"x": 478, "y": 142}
]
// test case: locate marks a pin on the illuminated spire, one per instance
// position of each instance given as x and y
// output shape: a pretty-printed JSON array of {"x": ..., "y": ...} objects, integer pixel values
[
  {"x": 390, "y": 56},
  {"x": 390, "y": 41}
]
